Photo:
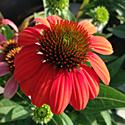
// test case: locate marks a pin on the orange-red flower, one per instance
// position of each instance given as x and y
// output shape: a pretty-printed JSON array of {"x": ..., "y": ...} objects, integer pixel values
[{"x": 51, "y": 67}]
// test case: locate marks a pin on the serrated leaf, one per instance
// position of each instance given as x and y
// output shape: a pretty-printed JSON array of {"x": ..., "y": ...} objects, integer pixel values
[
  {"x": 106, "y": 116},
  {"x": 108, "y": 98},
  {"x": 115, "y": 65},
  {"x": 119, "y": 31},
  {"x": 18, "y": 112}
]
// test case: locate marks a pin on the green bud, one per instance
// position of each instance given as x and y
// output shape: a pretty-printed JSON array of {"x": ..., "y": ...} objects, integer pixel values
[
  {"x": 58, "y": 4},
  {"x": 41, "y": 115},
  {"x": 102, "y": 14}
]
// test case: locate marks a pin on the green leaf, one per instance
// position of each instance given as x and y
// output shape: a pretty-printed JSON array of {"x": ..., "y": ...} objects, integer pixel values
[
  {"x": 108, "y": 98},
  {"x": 4, "y": 79},
  {"x": 27, "y": 121},
  {"x": 119, "y": 31},
  {"x": 66, "y": 120},
  {"x": 6, "y": 105},
  {"x": 115, "y": 66},
  {"x": 36, "y": 15},
  {"x": 62, "y": 119},
  {"x": 107, "y": 58},
  {"x": 18, "y": 112},
  {"x": 104, "y": 35},
  {"x": 118, "y": 119},
  {"x": 118, "y": 79},
  {"x": 106, "y": 116},
  {"x": 70, "y": 16},
  {"x": 56, "y": 120},
  {"x": 100, "y": 119},
  {"x": 8, "y": 32},
  {"x": 9, "y": 123},
  {"x": 21, "y": 99},
  {"x": 85, "y": 119}
]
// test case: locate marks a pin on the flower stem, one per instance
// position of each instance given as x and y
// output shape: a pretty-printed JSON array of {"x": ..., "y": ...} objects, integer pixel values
[
  {"x": 45, "y": 9},
  {"x": 84, "y": 3},
  {"x": 23, "y": 98}
]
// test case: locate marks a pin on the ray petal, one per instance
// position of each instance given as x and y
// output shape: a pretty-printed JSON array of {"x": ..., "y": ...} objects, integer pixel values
[
  {"x": 60, "y": 92},
  {"x": 80, "y": 91},
  {"x": 2, "y": 39},
  {"x": 15, "y": 37},
  {"x": 3, "y": 68},
  {"x": 41, "y": 27},
  {"x": 10, "y": 88},
  {"x": 88, "y": 26},
  {"x": 92, "y": 81},
  {"x": 42, "y": 20},
  {"x": 99, "y": 67},
  {"x": 29, "y": 85},
  {"x": 101, "y": 45},
  {"x": 44, "y": 79},
  {"x": 9, "y": 22},
  {"x": 1, "y": 58},
  {"x": 28, "y": 36},
  {"x": 53, "y": 19},
  {"x": 28, "y": 64}
]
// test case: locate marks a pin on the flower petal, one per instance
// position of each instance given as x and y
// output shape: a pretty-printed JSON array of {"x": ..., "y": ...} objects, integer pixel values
[
  {"x": 99, "y": 67},
  {"x": 88, "y": 26},
  {"x": 27, "y": 85},
  {"x": 80, "y": 91},
  {"x": 2, "y": 39},
  {"x": 60, "y": 92},
  {"x": 42, "y": 20},
  {"x": 9, "y": 22},
  {"x": 27, "y": 62},
  {"x": 92, "y": 80},
  {"x": 101, "y": 45},
  {"x": 28, "y": 36},
  {"x": 1, "y": 58},
  {"x": 3, "y": 68},
  {"x": 41, "y": 27},
  {"x": 53, "y": 19},
  {"x": 10, "y": 88},
  {"x": 15, "y": 37},
  {"x": 44, "y": 79}
]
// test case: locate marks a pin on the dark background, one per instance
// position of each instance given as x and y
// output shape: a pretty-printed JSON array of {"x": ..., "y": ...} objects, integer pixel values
[{"x": 18, "y": 10}]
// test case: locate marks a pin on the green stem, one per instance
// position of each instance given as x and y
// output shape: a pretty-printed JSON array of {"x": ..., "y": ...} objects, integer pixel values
[
  {"x": 54, "y": 121},
  {"x": 84, "y": 3},
  {"x": 45, "y": 9},
  {"x": 23, "y": 98}
]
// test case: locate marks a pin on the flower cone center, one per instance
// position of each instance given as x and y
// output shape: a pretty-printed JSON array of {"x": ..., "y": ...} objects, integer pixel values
[
  {"x": 66, "y": 44},
  {"x": 10, "y": 49}
]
